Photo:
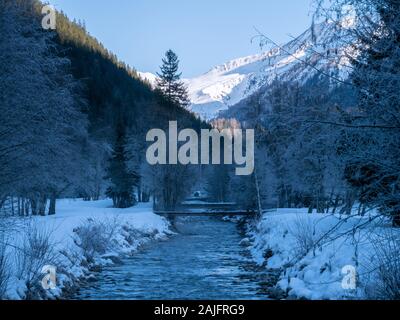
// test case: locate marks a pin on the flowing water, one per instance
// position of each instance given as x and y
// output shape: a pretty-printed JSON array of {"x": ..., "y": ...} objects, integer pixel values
[{"x": 203, "y": 261}]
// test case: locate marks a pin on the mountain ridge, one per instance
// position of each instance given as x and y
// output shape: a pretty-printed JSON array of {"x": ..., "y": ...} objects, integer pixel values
[{"x": 228, "y": 84}]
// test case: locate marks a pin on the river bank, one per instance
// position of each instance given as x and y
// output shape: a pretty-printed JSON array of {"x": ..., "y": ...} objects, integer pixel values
[
  {"x": 205, "y": 259},
  {"x": 82, "y": 238},
  {"x": 105, "y": 253},
  {"x": 326, "y": 256}
]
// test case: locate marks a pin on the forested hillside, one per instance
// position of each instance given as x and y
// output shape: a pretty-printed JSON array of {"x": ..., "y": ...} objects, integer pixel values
[{"x": 68, "y": 106}]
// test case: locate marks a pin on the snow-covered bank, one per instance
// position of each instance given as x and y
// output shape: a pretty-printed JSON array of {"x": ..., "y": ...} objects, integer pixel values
[
  {"x": 82, "y": 236},
  {"x": 328, "y": 256}
]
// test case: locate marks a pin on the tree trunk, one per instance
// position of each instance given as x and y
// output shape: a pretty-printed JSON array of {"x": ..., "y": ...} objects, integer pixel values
[
  {"x": 140, "y": 197},
  {"x": 19, "y": 206},
  {"x": 396, "y": 220},
  {"x": 289, "y": 197},
  {"x": 33, "y": 207},
  {"x": 312, "y": 206},
  {"x": 329, "y": 202},
  {"x": 349, "y": 202},
  {"x": 2, "y": 201},
  {"x": 335, "y": 204},
  {"x": 12, "y": 206},
  {"x": 364, "y": 210},
  {"x": 145, "y": 197},
  {"x": 259, "y": 206},
  {"x": 27, "y": 207},
  {"x": 52, "y": 206},
  {"x": 281, "y": 197},
  {"x": 42, "y": 205}
]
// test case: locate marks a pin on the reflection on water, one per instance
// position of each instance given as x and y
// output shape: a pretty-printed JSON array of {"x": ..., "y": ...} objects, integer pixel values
[{"x": 204, "y": 261}]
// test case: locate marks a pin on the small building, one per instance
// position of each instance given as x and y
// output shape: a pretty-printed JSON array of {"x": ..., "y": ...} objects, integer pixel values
[{"x": 198, "y": 196}]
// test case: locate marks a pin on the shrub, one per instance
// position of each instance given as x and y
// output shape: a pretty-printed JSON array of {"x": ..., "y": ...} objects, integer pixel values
[
  {"x": 4, "y": 273},
  {"x": 386, "y": 284},
  {"x": 95, "y": 237},
  {"x": 303, "y": 231},
  {"x": 35, "y": 252}
]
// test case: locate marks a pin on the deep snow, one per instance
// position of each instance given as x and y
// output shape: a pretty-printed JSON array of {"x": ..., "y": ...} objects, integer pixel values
[
  {"x": 133, "y": 228},
  {"x": 315, "y": 251}
]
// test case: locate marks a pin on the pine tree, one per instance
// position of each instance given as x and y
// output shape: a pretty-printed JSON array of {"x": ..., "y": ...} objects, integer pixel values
[
  {"x": 169, "y": 83},
  {"x": 122, "y": 180}
]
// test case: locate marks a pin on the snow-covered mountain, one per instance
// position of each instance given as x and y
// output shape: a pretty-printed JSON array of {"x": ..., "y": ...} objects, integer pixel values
[
  {"x": 228, "y": 84},
  {"x": 149, "y": 77}
]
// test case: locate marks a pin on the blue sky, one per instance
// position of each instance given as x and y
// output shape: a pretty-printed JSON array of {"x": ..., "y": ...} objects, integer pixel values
[{"x": 204, "y": 33}]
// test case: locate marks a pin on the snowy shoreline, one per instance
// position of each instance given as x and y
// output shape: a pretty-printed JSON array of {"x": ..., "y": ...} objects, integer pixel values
[
  {"x": 82, "y": 238},
  {"x": 306, "y": 254},
  {"x": 315, "y": 254}
]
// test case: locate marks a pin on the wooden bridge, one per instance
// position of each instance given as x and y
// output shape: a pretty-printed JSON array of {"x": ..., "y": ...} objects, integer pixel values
[{"x": 201, "y": 208}]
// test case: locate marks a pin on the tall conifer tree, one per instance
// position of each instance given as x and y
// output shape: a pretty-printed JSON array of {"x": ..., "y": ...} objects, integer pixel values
[
  {"x": 169, "y": 81},
  {"x": 122, "y": 180}
]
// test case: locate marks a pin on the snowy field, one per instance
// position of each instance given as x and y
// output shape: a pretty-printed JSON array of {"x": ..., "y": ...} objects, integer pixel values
[
  {"x": 325, "y": 256},
  {"x": 82, "y": 236}
]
